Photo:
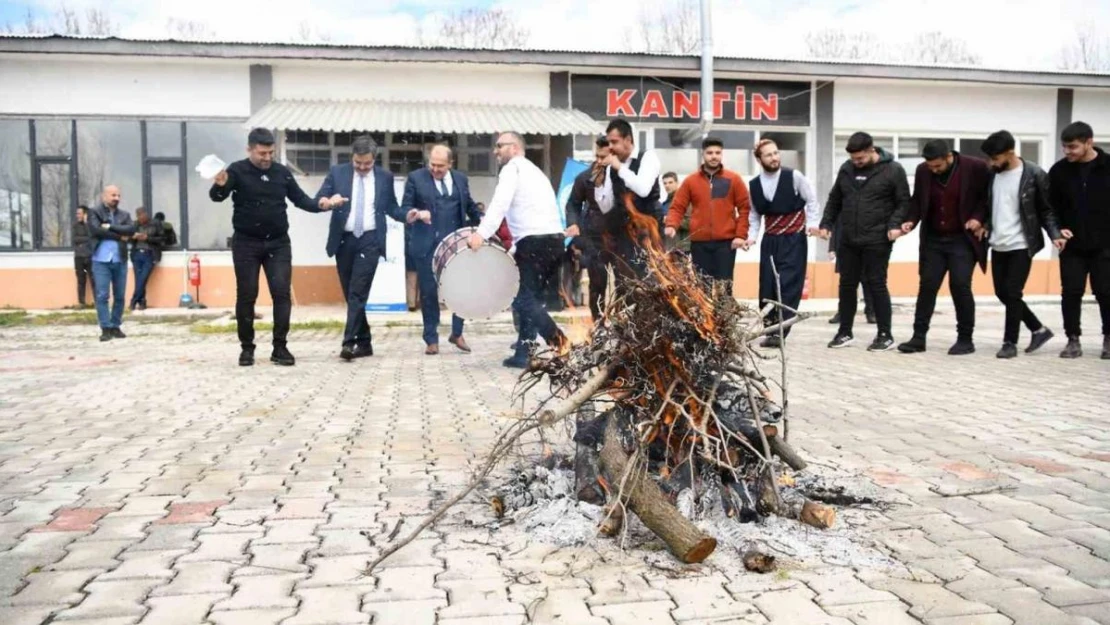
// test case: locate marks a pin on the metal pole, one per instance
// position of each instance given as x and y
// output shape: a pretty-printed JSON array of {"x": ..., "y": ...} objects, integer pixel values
[{"x": 706, "y": 122}]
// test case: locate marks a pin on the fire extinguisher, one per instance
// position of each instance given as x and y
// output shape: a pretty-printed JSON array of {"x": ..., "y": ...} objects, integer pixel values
[{"x": 194, "y": 279}]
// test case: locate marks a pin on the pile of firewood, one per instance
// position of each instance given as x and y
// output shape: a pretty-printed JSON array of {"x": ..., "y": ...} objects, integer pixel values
[{"x": 665, "y": 394}]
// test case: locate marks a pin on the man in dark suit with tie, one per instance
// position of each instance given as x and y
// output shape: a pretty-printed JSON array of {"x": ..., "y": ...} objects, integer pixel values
[
  {"x": 436, "y": 202},
  {"x": 361, "y": 195}
]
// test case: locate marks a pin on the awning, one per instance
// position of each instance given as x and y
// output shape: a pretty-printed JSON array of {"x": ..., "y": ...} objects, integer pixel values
[{"x": 445, "y": 117}]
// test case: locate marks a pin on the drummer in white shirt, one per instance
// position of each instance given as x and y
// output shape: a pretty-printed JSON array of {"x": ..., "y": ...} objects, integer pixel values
[{"x": 524, "y": 196}]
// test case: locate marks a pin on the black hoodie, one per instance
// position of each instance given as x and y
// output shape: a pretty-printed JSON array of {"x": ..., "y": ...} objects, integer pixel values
[
  {"x": 865, "y": 204},
  {"x": 1082, "y": 202}
]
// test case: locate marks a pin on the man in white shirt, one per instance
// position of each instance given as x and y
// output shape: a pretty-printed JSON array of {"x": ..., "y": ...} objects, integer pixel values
[
  {"x": 630, "y": 174},
  {"x": 1020, "y": 208},
  {"x": 525, "y": 198},
  {"x": 786, "y": 201}
]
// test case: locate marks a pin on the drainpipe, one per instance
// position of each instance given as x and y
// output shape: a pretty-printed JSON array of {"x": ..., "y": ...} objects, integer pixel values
[{"x": 706, "y": 123}]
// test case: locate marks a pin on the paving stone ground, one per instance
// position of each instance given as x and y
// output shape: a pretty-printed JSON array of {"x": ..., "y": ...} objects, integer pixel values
[{"x": 150, "y": 480}]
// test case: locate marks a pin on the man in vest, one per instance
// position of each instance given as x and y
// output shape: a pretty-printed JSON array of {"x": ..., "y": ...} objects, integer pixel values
[
  {"x": 787, "y": 203},
  {"x": 627, "y": 173},
  {"x": 719, "y": 204},
  {"x": 584, "y": 223}
]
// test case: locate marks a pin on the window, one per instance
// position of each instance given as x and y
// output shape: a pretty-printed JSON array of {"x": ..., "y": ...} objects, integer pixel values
[
  {"x": 15, "y": 185},
  {"x": 909, "y": 151},
  {"x": 1030, "y": 151},
  {"x": 209, "y": 223},
  {"x": 56, "y": 204},
  {"x": 53, "y": 138},
  {"x": 109, "y": 153},
  {"x": 163, "y": 139}
]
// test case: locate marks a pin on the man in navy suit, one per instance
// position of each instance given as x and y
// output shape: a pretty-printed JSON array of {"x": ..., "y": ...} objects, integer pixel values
[
  {"x": 361, "y": 195},
  {"x": 436, "y": 202}
]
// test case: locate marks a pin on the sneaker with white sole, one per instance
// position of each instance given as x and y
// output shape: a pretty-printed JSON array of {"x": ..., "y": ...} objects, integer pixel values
[{"x": 841, "y": 340}]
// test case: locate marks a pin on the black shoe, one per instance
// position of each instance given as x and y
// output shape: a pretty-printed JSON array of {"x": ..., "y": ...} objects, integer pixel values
[
  {"x": 772, "y": 341},
  {"x": 882, "y": 343},
  {"x": 1040, "y": 337},
  {"x": 105, "y": 335},
  {"x": 1106, "y": 347},
  {"x": 835, "y": 319},
  {"x": 246, "y": 358},
  {"x": 362, "y": 351},
  {"x": 281, "y": 356},
  {"x": 1009, "y": 350},
  {"x": 118, "y": 334},
  {"x": 1074, "y": 348},
  {"x": 841, "y": 340},
  {"x": 915, "y": 345},
  {"x": 962, "y": 347},
  {"x": 347, "y": 353},
  {"x": 871, "y": 318},
  {"x": 516, "y": 362}
]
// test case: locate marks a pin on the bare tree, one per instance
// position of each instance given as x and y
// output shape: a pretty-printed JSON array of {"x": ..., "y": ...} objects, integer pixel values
[
  {"x": 836, "y": 44},
  {"x": 939, "y": 49},
  {"x": 178, "y": 28},
  {"x": 1088, "y": 51},
  {"x": 670, "y": 27},
  {"x": 307, "y": 33},
  {"x": 479, "y": 28},
  {"x": 66, "y": 21}
]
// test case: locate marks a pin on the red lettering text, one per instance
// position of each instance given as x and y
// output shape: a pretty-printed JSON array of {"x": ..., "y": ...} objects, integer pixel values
[
  {"x": 686, "y": 104},
  {"x": 765, "y": 107},
  {"x": 741, "y": 104},
  {"x": 654, "y": 105},
  {"x": 719, "y": 100},
  {"x": 619, "y": 103}
]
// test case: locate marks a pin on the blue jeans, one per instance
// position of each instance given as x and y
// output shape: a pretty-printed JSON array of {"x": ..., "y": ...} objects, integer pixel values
[
  {"x": 114, "y": 276},
  {"x": 429, "y": 302},
  {"x": 143, "y": 262}
]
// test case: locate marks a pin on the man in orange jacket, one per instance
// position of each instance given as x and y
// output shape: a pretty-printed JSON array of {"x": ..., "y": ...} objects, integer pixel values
[{"x": 719, "y": 203}]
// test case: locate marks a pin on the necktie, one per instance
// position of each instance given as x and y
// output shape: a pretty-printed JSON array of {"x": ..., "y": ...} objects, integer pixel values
[
  {"x": 359, "y": 206},
  {"x": 442, "y": 187}
]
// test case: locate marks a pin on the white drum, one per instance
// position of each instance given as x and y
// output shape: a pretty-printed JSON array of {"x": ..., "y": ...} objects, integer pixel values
[{"x": 475, "y": 284}]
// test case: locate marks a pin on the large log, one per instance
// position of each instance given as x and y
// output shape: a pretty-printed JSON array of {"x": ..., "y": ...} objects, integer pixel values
[{"x": 643, "y": 497}]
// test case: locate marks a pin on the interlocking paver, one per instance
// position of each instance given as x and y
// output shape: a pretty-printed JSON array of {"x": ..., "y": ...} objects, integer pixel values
[
  {"x": 330, "y": 606},
  {"x": 404, "y": 612},
  {"x": 261, "y": 592},
  {"x": 198, "y": 578},
  {"x": 111, "y": 600},
  {"x": 182, "y": 610}
]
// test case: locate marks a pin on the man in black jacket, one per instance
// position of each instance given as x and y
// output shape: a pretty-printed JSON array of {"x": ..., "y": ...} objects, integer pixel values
[
  {"x": 1080, "y": 188},
  {"x": 145, "y": 248},
  {"x": 258, "y": 187},
  {"x": 585, "y": 224},
  {"x": 82, "y": 254},
  {"x": 1019, "y": 208},
  {"x": 950, "y": 203},
  {"x": 111, "y": 229},
  {"x": 868, "y": 202}
]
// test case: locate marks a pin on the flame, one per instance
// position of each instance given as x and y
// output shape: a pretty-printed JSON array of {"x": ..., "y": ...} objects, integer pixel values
[{"x": 604, "y": 484}]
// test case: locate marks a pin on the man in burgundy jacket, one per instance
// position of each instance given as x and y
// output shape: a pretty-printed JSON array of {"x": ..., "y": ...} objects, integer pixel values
[{"x": 950, "y": 202}]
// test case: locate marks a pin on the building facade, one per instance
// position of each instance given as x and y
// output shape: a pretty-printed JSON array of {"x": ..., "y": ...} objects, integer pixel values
[{"x": 77, "y": 114}]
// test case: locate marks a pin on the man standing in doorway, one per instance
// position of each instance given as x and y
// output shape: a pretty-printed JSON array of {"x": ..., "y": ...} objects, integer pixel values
[
  {"x": 950, "y": 203},
  {"x": 356, "y": 236},
  {"x": 868, "y": 202},
  {"x": 718, "y": 202},
  {"x": 437, "y": 202},
  {"x": 258, "y": 188},
  {"x": 786, "y": 201},
  {"x": 638, "y": 175},
  {"x": 1020, "y": 208},
  {"x": 524, "y": 196},
  {"x": 585, "y": 224},
  {"x": 145, "y": 246},
  {"x": 82, "y": 254},
  {"x": 110, "y": 229},
  {"x": 1080, "y": 186}
]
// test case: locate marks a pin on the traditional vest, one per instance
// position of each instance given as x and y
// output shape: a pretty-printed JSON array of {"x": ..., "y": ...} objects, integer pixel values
[
  {"x": 448, "y": 215},
  {"x": 785, "y": 213}
]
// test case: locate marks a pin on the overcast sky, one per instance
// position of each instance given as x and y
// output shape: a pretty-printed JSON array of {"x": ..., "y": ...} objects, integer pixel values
[{"x": 1004, "y": 33}]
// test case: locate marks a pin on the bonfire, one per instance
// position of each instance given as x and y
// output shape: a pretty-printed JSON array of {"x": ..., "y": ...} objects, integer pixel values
[{"x": 664, "y": 393}]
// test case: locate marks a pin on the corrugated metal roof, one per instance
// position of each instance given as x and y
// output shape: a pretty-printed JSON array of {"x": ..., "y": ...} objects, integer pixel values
[{"x": 448, "y": 117}]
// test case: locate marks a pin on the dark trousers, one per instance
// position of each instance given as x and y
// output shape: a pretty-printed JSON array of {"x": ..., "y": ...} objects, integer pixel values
[
  {"x": 950, "y": 255},
  {"x": 537, "y": 259},
  {"x": 429, "y": 301},
  {"x": 143, "y": 263},
  {"x": 275, "y": 257},
  {"x": 82, "y": 267},
  {"x": 1075, "y": 267},
  {"x": 715, "y": 259},
  {"x": 1010, "y": 270},
  {"x": 788, "y": 252},
  {"x": 113, "y": 276},
  {"x": 867, "y": 264},
  {"x": 357, "y": 262}
]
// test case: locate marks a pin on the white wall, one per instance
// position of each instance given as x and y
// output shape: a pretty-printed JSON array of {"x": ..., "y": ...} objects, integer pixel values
[
  {"x": 411, "y": 82},
  {"x": 103, "y": 87},
  {"x": 942, "y": 107},
  {"x": 1093, "y": 106}
]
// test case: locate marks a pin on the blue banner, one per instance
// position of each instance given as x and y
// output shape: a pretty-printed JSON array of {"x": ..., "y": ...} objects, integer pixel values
[{"x": 570, "y": 171}]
